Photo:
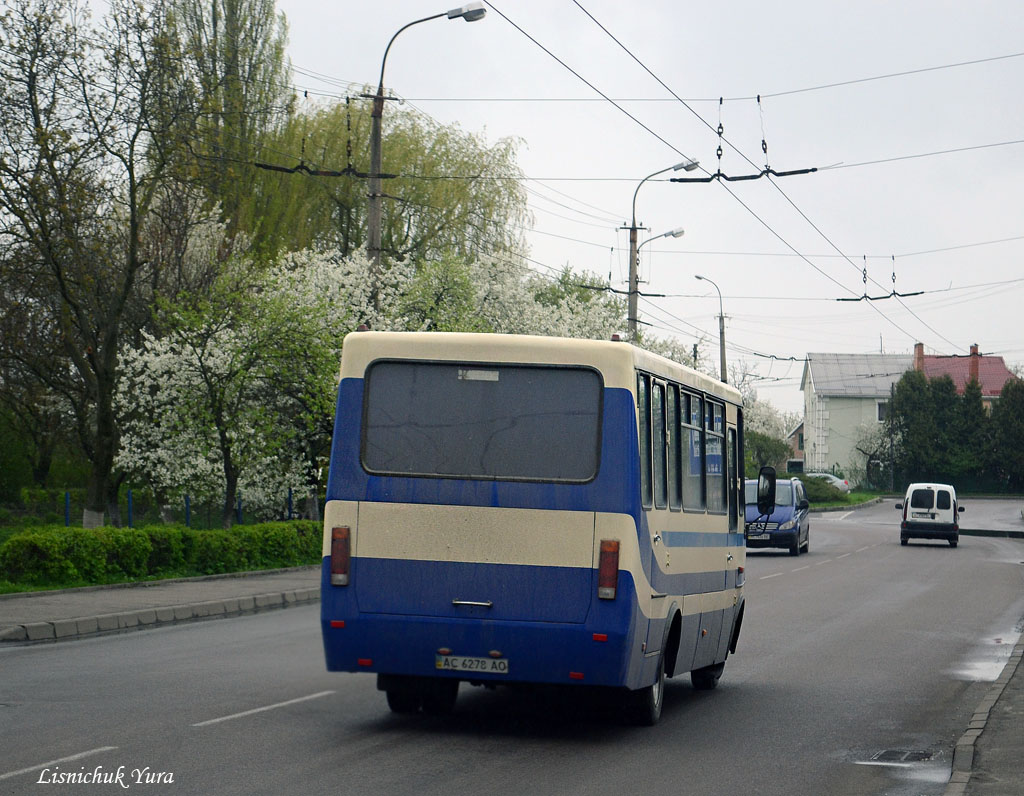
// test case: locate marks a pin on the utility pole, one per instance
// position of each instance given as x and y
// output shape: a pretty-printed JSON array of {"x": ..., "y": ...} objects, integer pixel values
[
  {"x": 470, "y": 13},
  {"x": 633, "y": 287},
  {"x": 892, "y": 443},
  {"x": 721, "y": 327},
  {"x": 634, "y": 250}
]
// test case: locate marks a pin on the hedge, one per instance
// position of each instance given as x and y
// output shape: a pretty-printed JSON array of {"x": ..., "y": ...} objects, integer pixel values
[{"x": 56, "y": 556}]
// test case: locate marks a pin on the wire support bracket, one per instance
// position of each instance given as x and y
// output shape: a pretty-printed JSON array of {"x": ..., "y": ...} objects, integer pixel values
[{"x": 718, "y": 175}]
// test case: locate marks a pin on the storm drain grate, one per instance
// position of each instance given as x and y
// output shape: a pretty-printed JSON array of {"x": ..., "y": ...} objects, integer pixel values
[{"x": 902, "y": 756}]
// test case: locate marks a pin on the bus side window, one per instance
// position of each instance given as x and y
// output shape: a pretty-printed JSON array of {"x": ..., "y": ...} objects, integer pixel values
[
  {"x": 715, "y": 460},
  {"x": 733, "y": 482},
  {"x": 643, "y": 398},
  {"x": 675, "y": 438},
  {"x": 693, "y": 458},
  {"x": 658, "y": 443}
]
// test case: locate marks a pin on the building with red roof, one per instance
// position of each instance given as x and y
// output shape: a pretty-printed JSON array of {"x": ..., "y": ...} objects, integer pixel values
[{"x": 990, "y": 372}]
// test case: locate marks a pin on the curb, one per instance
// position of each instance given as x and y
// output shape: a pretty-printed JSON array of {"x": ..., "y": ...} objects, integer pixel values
[
  {"x": 997, "y": 534},
  {"x": 963, "y": 752},
  {"x": 849, "y": 507},
  {"x": 145, "y": 584},
  {"x": 140, "y": 619}
]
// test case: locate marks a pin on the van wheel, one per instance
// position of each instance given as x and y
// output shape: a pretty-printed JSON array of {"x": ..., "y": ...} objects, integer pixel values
[
  {"x": 645, "y": 704},
  {"x": 903, "y": 541},
  {"x": 952, "y": 542},
  {"x": 706, "y": 678}
]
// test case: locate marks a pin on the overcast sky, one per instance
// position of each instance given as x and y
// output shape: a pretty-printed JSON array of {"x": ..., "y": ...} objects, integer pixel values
[{"x": 842, "y": 85}]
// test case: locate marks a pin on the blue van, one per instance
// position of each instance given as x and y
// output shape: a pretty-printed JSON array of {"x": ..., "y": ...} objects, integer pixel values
[{"x": 788, "y": 526}]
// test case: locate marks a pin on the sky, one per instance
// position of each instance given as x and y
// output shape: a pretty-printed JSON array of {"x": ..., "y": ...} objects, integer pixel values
[{"x": 601, "y": 94}]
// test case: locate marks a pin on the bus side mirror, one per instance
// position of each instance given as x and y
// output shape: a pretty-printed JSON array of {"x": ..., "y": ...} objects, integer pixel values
[{"x": 766, "y": 491}]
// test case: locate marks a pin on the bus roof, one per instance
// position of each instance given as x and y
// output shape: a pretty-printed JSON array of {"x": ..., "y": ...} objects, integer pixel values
[{"x": 615, "y": 360}]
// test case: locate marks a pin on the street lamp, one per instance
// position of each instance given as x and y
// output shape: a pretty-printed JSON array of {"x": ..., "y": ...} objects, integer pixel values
[
  {"x": 721, "y": 327},
  {"x": 471, "y": 13},
  {"x": 686, "y": 165},
  {"x": 678, "y": 232}
]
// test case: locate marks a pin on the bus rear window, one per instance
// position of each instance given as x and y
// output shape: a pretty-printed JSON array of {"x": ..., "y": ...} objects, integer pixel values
[{"x": 491, "y": 421}]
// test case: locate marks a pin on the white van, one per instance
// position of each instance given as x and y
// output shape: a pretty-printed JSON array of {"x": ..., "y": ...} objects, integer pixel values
[{"x": 930, "y": 511}]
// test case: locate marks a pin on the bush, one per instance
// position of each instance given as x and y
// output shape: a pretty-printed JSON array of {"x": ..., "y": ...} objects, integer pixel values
[
  {"x": 821, "y": 491},
  {"x": 51, "y": 501},
  {"x": 55, "y": 555},
  {"x": 168, "y": 550},
  {"x": 35, "y": 558},
  {"x": 125, "y": 552}
]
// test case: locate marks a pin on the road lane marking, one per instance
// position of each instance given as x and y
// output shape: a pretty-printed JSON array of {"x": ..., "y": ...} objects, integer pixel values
[
  {"x": 800, "y": 568},
  {"x": 826, "y": 561},
  {"x": 70, "y": 759},
  {"x": 765, "y": 577},
  {"x": 847, "y": 514},
  {"x": 263, "y": 709},
  {"x": 844, "y": 555},
  {"x": 862, "y": 549}
]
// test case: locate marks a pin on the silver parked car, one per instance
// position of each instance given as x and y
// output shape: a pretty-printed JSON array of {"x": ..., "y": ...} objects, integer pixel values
[{"x": 839, "y": 483}]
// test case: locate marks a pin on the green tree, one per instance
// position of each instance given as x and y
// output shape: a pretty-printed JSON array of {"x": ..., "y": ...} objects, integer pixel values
[
  {"x": 1008, "y": 432},
  {"x": 237, "y": 73},
  {"x": 945, "y": 417},
  {"x": 442, "y": 298},
  {"x": 910, "y": 411},
  {"x": 453, "y": 194},
  {"x": 761, "y": 450},
  {"x": 972, "y": 463},
  {"x": 89, "y": 131}
]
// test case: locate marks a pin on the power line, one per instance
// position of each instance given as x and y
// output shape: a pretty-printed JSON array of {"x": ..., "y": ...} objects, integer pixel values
[
  {"x": 773, "y": 182},
  {"x": 921, "y": 155},
  {"x": 766, "y": 95}
]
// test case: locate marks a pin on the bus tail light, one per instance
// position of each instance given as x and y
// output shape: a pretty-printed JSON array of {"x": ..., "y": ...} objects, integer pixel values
[
  {"x": 608, "y": 569},
  {"x": 341, "y": 555}
]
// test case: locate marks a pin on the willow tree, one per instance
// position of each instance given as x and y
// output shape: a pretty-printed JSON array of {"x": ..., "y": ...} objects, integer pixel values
[{"x": 451, "y": 194}]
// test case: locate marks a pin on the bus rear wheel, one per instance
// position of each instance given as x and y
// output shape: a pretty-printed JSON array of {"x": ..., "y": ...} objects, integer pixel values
[
  {"x": 645, "y": 704},
  {"x": 402, "y": 700}
]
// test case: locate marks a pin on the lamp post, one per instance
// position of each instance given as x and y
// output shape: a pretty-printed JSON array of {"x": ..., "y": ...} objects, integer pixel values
[
  {"x": 471, "y": 13},
  {"x": 686, "y": 165},
  {"x": 721, "y": 328},
  {"x": 678, "y": 232}
]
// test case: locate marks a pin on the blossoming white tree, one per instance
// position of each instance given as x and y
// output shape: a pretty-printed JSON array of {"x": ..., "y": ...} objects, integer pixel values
[
  {"x": 233, "y": 398},
  {"x": 238, "y": 395}
]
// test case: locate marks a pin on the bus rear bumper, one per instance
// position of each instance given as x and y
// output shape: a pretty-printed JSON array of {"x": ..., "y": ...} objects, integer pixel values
[{"x": 598, "y": 651}]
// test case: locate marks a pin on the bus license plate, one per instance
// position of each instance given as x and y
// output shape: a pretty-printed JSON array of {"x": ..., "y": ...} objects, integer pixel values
[
  {"x": 760, "y": 536},
  {"x": 460, "y": 663}
]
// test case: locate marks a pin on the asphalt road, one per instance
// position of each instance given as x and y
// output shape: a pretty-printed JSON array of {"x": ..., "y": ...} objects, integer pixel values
[{"x": 856, "y": 660}]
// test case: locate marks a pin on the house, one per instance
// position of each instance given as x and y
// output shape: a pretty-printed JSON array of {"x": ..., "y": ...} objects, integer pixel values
[
  {"x": 990, "y": 372},
  {"x": 795, "y": 438},
  {"x": 846, "y": 397}
]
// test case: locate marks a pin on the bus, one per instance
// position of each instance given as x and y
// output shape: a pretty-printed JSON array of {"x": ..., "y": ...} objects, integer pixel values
[{"x": 513, "y": 509}]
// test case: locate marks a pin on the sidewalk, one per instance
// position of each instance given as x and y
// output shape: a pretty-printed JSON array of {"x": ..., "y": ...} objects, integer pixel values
[
  {"x": 988, "y": 760},
  {"x": 71, "y": 613}
]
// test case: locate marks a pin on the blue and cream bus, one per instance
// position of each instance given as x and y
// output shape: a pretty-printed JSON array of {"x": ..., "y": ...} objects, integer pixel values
[{"x": 513, "y": 509}]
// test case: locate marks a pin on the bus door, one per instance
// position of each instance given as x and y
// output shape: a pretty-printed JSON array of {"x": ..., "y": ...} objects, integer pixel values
[
  {"x": 665, "y": 495},
  {"x": 651, "y": 417}
]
